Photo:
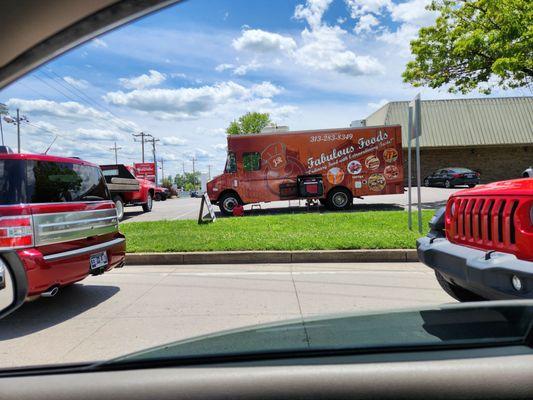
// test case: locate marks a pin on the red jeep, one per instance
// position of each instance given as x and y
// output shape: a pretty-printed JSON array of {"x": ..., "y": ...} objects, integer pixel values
[
  {"x": 481, "y": 244},
  {"x": 57, "y": 220}
]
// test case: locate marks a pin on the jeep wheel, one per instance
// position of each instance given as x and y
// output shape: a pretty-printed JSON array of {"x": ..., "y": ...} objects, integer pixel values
[
  {"x": 426, "y": 182},
  {"x": 119, "y": 205},
  {"x": 457, "y": 292},
  {"x": 339, "y": 199},
  {"x": 147, "y": 207},
  {"x": 447, "y": 184},
  {"x": 227, "y": 203}
]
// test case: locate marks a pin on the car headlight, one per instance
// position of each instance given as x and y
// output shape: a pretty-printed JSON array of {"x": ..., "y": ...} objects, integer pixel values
[{"x": 452, "y": 209}]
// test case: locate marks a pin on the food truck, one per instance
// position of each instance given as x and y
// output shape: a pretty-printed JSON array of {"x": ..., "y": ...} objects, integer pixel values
[{"x": 331, "y": 165}]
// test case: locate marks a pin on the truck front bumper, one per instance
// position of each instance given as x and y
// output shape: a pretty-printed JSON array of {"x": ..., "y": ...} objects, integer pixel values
[{"x": 488, "y": 274}]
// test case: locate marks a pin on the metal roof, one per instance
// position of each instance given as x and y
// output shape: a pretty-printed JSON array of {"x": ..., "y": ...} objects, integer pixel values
[{"x": 464, "y": 122}]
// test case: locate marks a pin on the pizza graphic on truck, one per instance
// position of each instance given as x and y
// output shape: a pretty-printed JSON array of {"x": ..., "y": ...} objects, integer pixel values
[{"x": 331, "y": 165}]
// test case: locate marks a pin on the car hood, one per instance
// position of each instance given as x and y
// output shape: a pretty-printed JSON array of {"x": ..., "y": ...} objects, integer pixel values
[
  {"x": 472, "y": 324},
  {"x": 515, "y": 187}
]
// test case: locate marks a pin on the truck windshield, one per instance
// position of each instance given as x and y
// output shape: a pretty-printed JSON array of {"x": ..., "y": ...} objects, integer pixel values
[{"x": 48, "y": 182}]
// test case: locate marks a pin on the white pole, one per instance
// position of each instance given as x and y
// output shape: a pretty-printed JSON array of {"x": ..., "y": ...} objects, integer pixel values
[
  {"x": 418, "y": 127},
  {"x": 409, "y": 173}
]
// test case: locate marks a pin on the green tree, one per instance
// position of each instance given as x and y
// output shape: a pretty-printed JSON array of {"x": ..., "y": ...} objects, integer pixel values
[
  {"x": 249, "y": 123},
  {"x": 187, "y": 180},
  {"x": 167, "y": 183},
  {"x": 474, "y": 44}
]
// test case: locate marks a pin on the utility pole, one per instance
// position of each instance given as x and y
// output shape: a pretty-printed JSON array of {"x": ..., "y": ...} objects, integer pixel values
[
  {"x": 193, "y": 161},
  {"x": 18, "y": 131},
  {"x": 183, "y": 163},
  {"x": 209, "y": 172},
  {"x": 16, "y": 121},
  {"x": 142, "y": 135},
  {"x": 162, "y": 169},
  {"x": 153, "y": 140},
  {"x": 115, "y": 148}
]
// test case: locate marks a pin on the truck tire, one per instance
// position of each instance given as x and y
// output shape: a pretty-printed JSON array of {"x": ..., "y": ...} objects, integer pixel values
[
  {"x": 227, "y": 203},
  {"x": 163, "y": 197},
  {"x": 339, "y": 198},
  {"x": 457, "y": 292},
  {"x": 147, "y": 207},
  {"x": 119, "y": 204},
  {"x": 157, "y": 197}
]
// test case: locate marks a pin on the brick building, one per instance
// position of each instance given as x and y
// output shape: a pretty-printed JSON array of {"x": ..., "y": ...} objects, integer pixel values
[{"x": 493, "y": 136}]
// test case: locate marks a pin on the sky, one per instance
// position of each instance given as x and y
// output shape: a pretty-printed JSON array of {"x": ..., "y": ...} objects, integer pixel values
[{"x": 184, "y": 73}]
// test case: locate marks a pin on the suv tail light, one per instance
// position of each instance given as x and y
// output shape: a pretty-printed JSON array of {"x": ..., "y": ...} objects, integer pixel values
[{"x": 15, "y": 232}]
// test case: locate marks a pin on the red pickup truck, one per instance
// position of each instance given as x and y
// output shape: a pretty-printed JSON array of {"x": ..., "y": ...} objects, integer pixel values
[
  {"x": 127, "y": 188},
  {"x": 57, "y": 221},
  {"x": 481, "y": 244}
]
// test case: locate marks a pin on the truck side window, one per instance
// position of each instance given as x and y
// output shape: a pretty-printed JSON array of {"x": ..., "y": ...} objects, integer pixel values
[
  {"x": 231, "y": 163},
  {"x": 251, "y": 161}
]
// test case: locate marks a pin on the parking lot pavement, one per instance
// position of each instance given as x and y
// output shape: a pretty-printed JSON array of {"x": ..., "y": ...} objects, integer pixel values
[
  {"x": 188, "y": 208},
  {"x": 137, "y": 307}
]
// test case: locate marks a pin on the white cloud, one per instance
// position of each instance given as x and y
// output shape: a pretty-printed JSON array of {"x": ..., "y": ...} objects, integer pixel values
[
  {"x": 77, "y": 83},
  {"x": 413, "y": 12},
  {"x": 97, "y": 134},
  {"x": 312, "y": 12},
  {"x": 324, "y": 49},
  {"x": 223, "y": 67},
  {"x": 70, "y": 111},
  {"x": 99, "y": 43},
  {"x": 221, "y": 146},
  {"x": 262, "y": 41},
  {"x": 366, "y": 23},
  {"x": 362, "y": 7},
  {"x": 400, "y": 38},
  {"x": 153, "y": 78},
  {"x": 266, "y": 89},
  {"x": 379, "y": 104},
  {"x": 178, "y": 75},
  {"x": 173, "y": 141},
  {"x": 243, "y": 69}
]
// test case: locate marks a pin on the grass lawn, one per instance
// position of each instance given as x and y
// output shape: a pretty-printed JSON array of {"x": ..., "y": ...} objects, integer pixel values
[{"x": 329, "y": 231}]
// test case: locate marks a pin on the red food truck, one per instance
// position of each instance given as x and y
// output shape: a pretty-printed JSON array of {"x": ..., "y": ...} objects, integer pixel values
[{"x": 332, "y": 165}]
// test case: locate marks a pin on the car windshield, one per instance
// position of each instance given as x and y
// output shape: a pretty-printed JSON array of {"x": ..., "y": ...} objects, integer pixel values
[{"x": 245, "y": 177}]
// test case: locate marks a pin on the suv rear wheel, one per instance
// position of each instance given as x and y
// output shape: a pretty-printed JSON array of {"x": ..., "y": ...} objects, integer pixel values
[
  {"x": 227, "y": 203},
  {"x": 147, "y": 207},
  {"x": 339, "y": 199},
  {"x": 457, "y": 292}
]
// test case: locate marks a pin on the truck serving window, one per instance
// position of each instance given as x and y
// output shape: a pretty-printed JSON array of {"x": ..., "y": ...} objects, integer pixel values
[
  {"x": 231, "y": 163},
  {"x": 251, "y": 161},
  {"x": 49, "y": 182}
]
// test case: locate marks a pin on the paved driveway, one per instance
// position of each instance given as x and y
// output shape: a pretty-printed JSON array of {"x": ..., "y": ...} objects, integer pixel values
[
  {"x": 188, "y": 208},
  {"x": 137, "y": 307}
]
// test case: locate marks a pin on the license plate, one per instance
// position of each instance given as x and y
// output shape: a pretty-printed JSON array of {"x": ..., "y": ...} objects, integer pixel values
[
  {"x": 98, "y": 260},
  {"x": 470, "y": 176}
]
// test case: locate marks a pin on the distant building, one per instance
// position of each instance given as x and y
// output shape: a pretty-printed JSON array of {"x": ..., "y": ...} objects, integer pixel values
[{"x": 493, "y": 136}]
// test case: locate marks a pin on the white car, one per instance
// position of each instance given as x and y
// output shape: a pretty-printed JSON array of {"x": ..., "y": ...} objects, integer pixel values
[{"x": 528, "y": 173}]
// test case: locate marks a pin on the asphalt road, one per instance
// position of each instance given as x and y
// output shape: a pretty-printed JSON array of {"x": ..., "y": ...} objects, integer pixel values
[
  {"x": 137, "y": 307},
  {"x": 188, "y": 208}
]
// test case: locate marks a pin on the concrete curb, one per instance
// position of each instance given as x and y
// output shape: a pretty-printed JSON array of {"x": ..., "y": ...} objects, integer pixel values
[{"x": 269, "y": 257}]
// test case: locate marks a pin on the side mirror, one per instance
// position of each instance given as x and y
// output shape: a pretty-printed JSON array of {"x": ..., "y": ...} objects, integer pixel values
[{"x": 13, "y": 283}]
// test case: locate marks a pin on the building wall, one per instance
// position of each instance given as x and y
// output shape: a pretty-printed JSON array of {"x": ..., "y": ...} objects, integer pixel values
[{"x": 495, "y": 163}]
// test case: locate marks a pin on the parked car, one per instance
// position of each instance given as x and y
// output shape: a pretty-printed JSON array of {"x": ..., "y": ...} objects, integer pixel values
[
  {"x": 450, "y": 177},
  {"x": 528, "y": 173},
  {"x": 161, "y": 193},
  {"x": 481, "y": 244},
  {"x": 128, "y": 189},
  {"x": 57, "y": 220},
  {"x": 194, "y": 193}
]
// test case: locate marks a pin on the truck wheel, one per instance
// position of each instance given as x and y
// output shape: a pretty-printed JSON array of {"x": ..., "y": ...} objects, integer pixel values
[
  {"x": 119, "y": 204},
  {"x": 157, "y": 197},
  {"x": 457, "y": 292},
  {"x": 227, "y": 203},
  {"x": 163, "y": 197},
  {"x": 147, "y": 207},
  {"x": 339, "y": 199}
]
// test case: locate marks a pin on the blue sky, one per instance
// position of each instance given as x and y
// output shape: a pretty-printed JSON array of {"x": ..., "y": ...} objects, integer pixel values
[{"x": 184, "y": 73}]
